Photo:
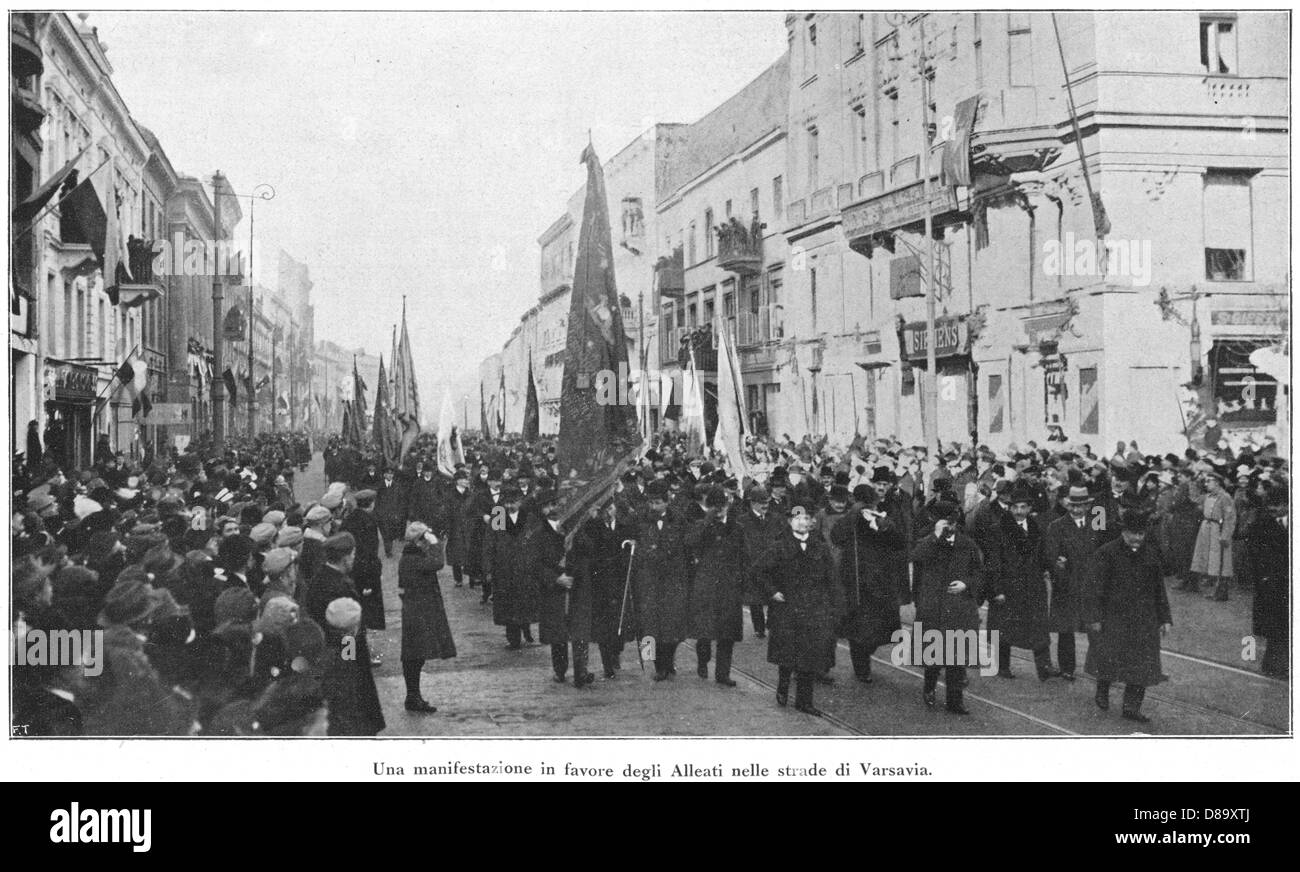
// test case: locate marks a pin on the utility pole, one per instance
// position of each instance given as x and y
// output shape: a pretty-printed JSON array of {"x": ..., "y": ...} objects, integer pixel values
[
  {"x": 252, "y": 376},
  {"x": 218, "y": 357},
  {"x": 931, "y": 365}
]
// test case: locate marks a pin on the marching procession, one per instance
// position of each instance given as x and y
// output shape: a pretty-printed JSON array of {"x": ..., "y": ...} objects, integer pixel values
[
  {"x": 216, "y": 531},
  {"x": 232, "y": 605}
]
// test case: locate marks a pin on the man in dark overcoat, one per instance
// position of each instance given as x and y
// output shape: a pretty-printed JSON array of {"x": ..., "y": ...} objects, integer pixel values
[
  {"x": 459, "y": 509},
  {"x": 948, "y": 594},
  {"x": 867, "y": 539},
  {"x": 797, "y": 574},
  {"x": 717, "y": 592},
  {"x": 898, "y": 508},
  {"x": 662, "y": 579},
  {"x": 563, "y": 594},
  {"x": 1017, "y": 586},
  {"x": 760, "y": 527},
  {"x": 602, "y": 554},
  {"x": 367, "y": 569},
  {"x": 1067, "y": 553},
  {"x": 505, "y": 566},
  {"x": 390, "y": 508},
  {"x": 1127, "y": 611}
]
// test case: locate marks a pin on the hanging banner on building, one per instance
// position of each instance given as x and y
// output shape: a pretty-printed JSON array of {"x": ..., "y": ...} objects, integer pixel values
[
  {"x": 233, "y": 327},
  {"x": 74, "y": 383},
  {"x": 892, "y": 210},
  {"x": 168, "y": 415},
  {"x": 950, "y": 336}
]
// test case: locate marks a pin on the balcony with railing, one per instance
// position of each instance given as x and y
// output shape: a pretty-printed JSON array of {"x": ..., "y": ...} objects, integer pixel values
[
  {"x": 740, "y": 247},
  {"x": 757, "y": 326}
]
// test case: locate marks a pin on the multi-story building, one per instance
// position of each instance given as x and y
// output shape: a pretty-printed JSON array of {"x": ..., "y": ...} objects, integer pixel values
[
  {"x": 633, "y": 178},
  {"x": 295, "y": 288},
  {"x": 332, "y": 382},
  {"x": 192, "y": 223},
  {"x": 1056, "y": 309},
  {"x": 25, "y": 174},
  {"x": 86, "y": 332},
  {"x": 719, "y": 215}
]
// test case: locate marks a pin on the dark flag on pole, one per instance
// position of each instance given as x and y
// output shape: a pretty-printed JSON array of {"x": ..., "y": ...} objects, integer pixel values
[
  {"x": 482, "y": 416},
  {"x": 598, "y": 434},
  {"x": 385, "y": 431},
  {"x": 532, "y": 413}
]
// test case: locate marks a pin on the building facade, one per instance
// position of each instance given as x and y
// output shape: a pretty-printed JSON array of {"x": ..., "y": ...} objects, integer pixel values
[{"x": 1055, "y": 309}]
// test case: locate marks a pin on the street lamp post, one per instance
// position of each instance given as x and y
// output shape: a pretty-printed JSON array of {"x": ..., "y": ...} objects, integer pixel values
[
  {"x": 930, "y": 392},
  {"x": 218, "y": 340},
  {"x": 261, "y": 192}
]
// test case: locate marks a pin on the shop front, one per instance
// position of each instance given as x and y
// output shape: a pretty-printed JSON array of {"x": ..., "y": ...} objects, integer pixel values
[
  {"x": 956, "y": 409},
  {"x": 69, "y": 413}
]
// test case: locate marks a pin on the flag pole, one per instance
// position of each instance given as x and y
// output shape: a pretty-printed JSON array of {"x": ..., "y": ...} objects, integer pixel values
[{"x": 51, "y": 206}]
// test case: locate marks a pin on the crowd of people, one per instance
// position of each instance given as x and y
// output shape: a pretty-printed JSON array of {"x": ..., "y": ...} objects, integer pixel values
[{"x": 229, "y": 604}]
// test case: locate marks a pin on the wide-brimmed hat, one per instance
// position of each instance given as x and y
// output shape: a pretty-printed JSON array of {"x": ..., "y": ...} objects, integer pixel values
[
  {"x": 129, "y": 602},
  {"x": 1078, "y": 496}
]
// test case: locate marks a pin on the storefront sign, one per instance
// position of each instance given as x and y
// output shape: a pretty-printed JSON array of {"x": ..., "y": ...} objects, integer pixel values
[
  {"x": 1271, "y": 319},
  {"x": 74, "y": 383},
  {"x": 950, "y": 338},
  {"x": 888, "y": 211},
  {"x": 168, "y": 414}
]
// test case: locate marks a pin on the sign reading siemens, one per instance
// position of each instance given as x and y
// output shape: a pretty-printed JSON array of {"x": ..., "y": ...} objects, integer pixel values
[{"x": 949, "y": 338}]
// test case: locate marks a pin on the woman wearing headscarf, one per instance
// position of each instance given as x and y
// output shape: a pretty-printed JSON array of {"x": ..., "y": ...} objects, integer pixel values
[{"x": 425, "y": 632}]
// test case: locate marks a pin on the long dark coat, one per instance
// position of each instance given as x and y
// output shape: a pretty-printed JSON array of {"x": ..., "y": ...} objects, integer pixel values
[
  {"x": 898, "y": 508},
  {"x": 514, "y": 592},
  {"x": 1065, "y": 539},
  {"x": 801, "y": 629},
  {"x": 1180, "y": 519},
  {"x": 424, "y": 503},
  {"x": 1127, "y": 597},
  {"x": 564, "y": 616},
  {"x": 871, "y": 607},
  {"x": 349, "y": 683},
  {"x": 477, "y": 529},
  {"x": 662, "y": 579},
  {"x": 757, "y": 535},
  {"x": 460, "y": 517},
  {"x": 390, "y": 508},
  {"x": 603, "y": 562},
  {"x": 1015, "y": 570},
  {"x": 368, "y": 570},
  {"x": 426, "y": 635},
  {"x": 938, "y": 564},
  {"x": 1266, "y": 543},
  {"x": 717, "y": 591}
]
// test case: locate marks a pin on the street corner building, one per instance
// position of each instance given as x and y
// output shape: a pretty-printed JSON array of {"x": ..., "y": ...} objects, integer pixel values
[{"x": 1106, "y": 194}]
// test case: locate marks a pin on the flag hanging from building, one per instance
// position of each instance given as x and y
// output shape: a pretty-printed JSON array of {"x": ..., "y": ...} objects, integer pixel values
[
  {"x": 229, "y": 378},
  {"x": 134, "y": 376},
  {"x": 955, "y": 169},
  {"x": 596, "y": 439},
  {"x": 729, "y": 438},
  {"x": 532, "y": 412},
  {"x": 483, "y": 415},
  {"x": 387, "y": 441}
]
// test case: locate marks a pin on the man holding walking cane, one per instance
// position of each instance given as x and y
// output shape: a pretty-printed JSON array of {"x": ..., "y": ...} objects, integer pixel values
[
  {"x": 564, "y": 593},
  {"x": 602, "y": 558}
]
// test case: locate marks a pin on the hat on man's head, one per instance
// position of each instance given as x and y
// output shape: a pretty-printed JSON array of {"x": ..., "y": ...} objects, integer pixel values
[
  {"x": 332, "y": 500},
  {"x": 263, "y": 534},
  {"x": 339, "y": 545},
  {"x": 130, "y": 601},
  {"x": 288, "y": 537},
  {"x": 316, "y": 514},
  {"x": 1078, "y": 496},
  {"x": 277, "y": 560},
  {"x": 275, "y": 517},
  {"x": 343, "y": 613},
  {"x": 364, "y": 497}
]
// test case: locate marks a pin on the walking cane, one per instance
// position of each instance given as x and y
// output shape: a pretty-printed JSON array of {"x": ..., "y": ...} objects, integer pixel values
[{"x": 627, "y": 592}]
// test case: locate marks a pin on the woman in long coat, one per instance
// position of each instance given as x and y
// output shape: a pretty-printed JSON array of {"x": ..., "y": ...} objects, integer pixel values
[
  {"x": 1127, "y": 609},
  {"x": 867, "y": 540},
  {"x": 1017, "y": 589},
  {"x": 426, "y": 634},
  {"x": 717, "y": 600},
  {"x": 797, "y": 573},
  {"x": 1212, "y": 556}
]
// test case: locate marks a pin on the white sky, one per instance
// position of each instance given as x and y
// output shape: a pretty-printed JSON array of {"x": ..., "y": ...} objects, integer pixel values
[{"x": 419, "y": 154}]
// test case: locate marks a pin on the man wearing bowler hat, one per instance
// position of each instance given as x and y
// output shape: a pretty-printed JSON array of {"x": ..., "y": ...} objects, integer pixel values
[{"x": 1068, "y": 546}]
